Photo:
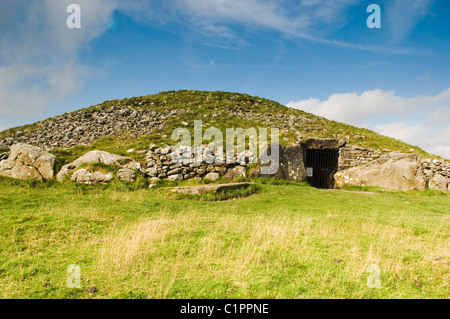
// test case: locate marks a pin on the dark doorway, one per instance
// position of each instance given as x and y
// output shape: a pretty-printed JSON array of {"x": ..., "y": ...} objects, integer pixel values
[{"x": 321, "y": 165}]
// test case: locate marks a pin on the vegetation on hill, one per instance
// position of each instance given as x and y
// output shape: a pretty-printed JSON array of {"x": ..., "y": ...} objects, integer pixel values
[{"x": 222, "y": 110}]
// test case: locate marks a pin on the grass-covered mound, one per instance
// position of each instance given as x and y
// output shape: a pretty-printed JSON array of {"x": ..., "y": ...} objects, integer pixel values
[{"x": 215, "y": 109}]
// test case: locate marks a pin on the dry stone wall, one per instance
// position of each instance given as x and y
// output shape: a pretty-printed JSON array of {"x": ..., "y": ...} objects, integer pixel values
[
  {"x": 162, "y": 165},
  {"x": 437, "y": 173},
  {"x": 434, "y": 166},
  {"x": 354, "y": 155}
]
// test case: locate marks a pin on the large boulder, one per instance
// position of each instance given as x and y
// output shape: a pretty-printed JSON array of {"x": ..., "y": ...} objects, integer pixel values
[
  {"x": 399, "y": 171},
  {"x": 28, "y": 162},
  {"x": 92, "y": 158},
  {"x": 291, "y": 166},
  {"x": 439, "y": 183}
]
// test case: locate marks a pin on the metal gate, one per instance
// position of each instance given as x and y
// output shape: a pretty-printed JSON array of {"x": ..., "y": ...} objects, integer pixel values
[{"x": 321, "y": 165}]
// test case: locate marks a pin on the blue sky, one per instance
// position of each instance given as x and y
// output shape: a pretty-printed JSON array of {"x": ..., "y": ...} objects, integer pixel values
[{"x": 314, "y": 55}]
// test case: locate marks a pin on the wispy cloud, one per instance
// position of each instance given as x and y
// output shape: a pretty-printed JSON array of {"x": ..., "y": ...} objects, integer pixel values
[
  {"x": 310, "y": 20},
  {"x": 403, "y": 15},
  {"x": 419, "y": 120},
  {"x": 39, "y": 63}
]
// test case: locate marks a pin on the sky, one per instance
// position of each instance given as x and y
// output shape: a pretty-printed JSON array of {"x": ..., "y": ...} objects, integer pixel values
[{"x": 315, "y": 55}]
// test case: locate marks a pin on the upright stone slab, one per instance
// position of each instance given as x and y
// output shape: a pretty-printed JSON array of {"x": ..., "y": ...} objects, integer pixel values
[{"x": 291, "y": 166}]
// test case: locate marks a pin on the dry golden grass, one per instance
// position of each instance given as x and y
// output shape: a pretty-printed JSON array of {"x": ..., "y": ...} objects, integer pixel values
[
  {"x": 241, "y": 250},
  {"x": 130, "y": 246}
]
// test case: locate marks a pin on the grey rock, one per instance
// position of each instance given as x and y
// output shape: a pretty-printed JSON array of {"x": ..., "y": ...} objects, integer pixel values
[
  {"x": 212, "y": 177},
  {"x": 133, "y": 165},
  {"x": 175, "y": 171},
  {"x": 177, "y": 177},
  {"x": 127, "y": 175},
  {"x": 291, "y": 166},
  {"x": 91, "y": 157},
  {"x": 152, "y": 172},
  {"x": 439, "y": 182},
  {"x": 399, "y": 171},
  {"x": 84, "y": 176},
  {"x": 198, "y": 190},
  {"x": 165, "y": 151},
  {"x": 28, "y": 162},
  {"x": 238, "y": 171}
]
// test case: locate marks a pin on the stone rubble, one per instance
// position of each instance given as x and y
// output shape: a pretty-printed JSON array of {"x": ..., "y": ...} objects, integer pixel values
[{"x": 84, "y": 126}]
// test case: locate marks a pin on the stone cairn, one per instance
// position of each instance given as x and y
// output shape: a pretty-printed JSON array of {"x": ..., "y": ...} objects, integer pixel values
[{"x": 83, "y": 127}]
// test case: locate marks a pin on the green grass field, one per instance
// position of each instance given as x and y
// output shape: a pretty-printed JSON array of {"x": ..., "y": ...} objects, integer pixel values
[{"x": 286, "y": 241}]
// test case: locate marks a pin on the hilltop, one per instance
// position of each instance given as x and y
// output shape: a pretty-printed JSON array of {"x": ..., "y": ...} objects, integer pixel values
[{"x": 134, "y": 123}]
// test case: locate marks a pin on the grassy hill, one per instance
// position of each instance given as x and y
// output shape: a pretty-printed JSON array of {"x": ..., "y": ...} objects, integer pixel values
[
  {"x": 285, "y": 240},
  {"x": 216, "y": 109}
]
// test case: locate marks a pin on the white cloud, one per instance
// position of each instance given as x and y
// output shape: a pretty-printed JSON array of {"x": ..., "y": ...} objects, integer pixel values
[
  {"x": 39, "y": 62},
  {"x": 434, "y": 139},
  {"x": 430, "y": 115}
]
